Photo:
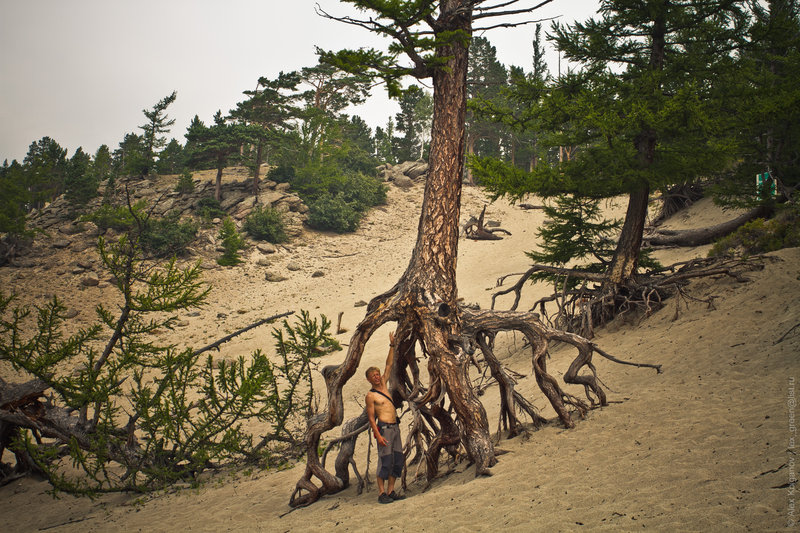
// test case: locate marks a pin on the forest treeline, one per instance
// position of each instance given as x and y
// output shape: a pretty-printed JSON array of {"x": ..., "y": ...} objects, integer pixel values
[{"x": 718, "y": 116}]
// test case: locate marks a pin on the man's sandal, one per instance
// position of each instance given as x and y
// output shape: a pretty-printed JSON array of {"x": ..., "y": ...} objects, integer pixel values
[
  {"x": 385, "y": 498},
  {"x": 394, "y": 496}
]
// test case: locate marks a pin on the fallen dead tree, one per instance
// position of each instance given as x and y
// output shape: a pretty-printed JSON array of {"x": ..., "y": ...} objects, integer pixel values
[{"x": 698, "y": 237}]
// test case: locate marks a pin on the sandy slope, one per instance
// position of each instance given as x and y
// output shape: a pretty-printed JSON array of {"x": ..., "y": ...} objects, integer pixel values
[{"x": 703, "y": 446}]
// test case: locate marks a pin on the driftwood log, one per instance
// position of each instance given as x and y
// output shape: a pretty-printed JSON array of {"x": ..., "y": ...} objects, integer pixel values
[
  {"x": 475, "y": 229},
  {"x": 698, "y": 237}
]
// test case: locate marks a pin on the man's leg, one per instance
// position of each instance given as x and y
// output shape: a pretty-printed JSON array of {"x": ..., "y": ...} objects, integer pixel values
[
  {"x": 390, "y": 488},
  {"x": 380, "y": 485}
]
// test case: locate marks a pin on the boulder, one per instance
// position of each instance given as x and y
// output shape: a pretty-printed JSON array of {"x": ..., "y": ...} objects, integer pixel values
[
  {"x": 90, "y": 280},
  {"x": 404, "y": 182},
  {"x": 266, "y": 248},
  {"x": 274, "y": 277}
]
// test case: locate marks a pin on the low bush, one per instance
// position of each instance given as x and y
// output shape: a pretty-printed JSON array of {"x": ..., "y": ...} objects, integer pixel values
[
  {"x": 232, "y": 242},
  {"x": 333, "y": 213},
  {"x": 185, "y": 183},
  {"x": 119, "y": 218},
  {"x": 265, "y": 224},
  {"x": 168, "y": 236},
  {"x": 209, "y": 208}
]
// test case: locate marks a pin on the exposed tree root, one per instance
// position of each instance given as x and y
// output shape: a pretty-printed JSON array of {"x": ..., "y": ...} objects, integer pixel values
[
  {"x": 676, "y": 198},
  {"x": 445, "y": 413},
  {"x": 596, "y": 302},
  {"x": 475, "y": 229}
]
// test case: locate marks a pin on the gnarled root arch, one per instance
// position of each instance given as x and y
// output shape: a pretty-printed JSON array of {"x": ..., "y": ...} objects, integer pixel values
[
  {"x": 446, "y": 413},
  {"x": 595, "y": 301}
]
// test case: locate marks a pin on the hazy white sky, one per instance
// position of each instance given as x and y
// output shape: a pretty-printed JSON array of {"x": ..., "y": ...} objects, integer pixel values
[{"x": 82, "y": 71}]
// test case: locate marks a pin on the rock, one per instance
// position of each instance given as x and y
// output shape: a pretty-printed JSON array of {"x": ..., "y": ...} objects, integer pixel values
[
  {"x": 318, "y": 274},
  {"x": 282, "y": 187},
  {"x": 417, "y": 170},
  {"x": 90, "y": 280},
  {"x": 231, "y": 201},
  {"x": 404, "y": 182},
  {"x": 269, "y": 197},
  {"x": 266, "y": 248},
  {"x": 360, "y": 303},
  {"x": 70, "y": 229},
  {"x": 216, "y": 221},
  {"x": 76, "y": 271},
  {"x": 263, "y": 261},
  {"x": 23, "y": 262},
  {"x": 274, "y": 278},
  {"x": 293, "y": 266},
  {"x": 72, "y": 313},
  {"x": 81, "y": 246},
  {"x": 61, "y": 243},
  {"x": 91, "y": 229},
  {"x": 86, "y": 264},
  {"x": 193, "y": 313}
]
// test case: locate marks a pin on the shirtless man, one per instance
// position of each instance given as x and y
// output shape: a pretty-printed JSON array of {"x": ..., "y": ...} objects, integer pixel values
[{"x": 385, "y": 428}]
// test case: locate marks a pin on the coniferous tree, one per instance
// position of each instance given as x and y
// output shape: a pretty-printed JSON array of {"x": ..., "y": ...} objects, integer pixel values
[
  {"x": 171, "y": 160},
  {"x": 384, "y": 143},
  {"x": 157, "y": 123},
  {"x": 642, "y": 110},
  {"x": 215, "y": 144},
  {"x": 330, "y": 91},
  {"x": 80, "y": 183},
  {"x": 45, "y": 170},
  {"x": 764, "y": 105},
  {"x": 14, "y": 199},
  {"x": 131, "y": 157},
  {"x": 266, "y": 116}
]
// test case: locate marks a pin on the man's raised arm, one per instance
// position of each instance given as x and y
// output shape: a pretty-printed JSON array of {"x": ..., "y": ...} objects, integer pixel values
[{"x": 389, "y": 360}]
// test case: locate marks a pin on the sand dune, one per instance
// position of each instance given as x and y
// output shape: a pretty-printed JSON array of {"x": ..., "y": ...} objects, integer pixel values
[{"x": 705, "y": 446}]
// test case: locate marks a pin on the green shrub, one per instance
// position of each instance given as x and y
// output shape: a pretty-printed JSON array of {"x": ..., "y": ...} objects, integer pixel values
[
  {"x": 333, "y": 213},
  {"x": 760, "y": 236},
  {"x": 265, "y": 224},
  {"x": 232, "y": 242},
  {"x": 185, "y": 183},
  {"x": 283, "y": 173},
  {"x": 208, "y": 208},
  {"x": 167, "y": 236},
  {"x": 118, "y": 218},
  {"x": 359, "y": 190}
]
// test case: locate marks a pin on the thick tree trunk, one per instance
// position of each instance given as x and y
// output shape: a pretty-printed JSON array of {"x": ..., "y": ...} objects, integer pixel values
[{"x": 626, "y": 256}]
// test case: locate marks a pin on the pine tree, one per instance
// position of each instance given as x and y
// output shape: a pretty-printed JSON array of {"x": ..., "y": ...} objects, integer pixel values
[
  {"x": 45, "y": 167},
  {"x": 764, "y": 105},
  {"x": 80, "y": 183},
  {"x": 642, "y": 110},
  {"x": 215, "y": 144},
  {"x": 266, "y": 116},
  {"x": 158, "y": 123}
]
